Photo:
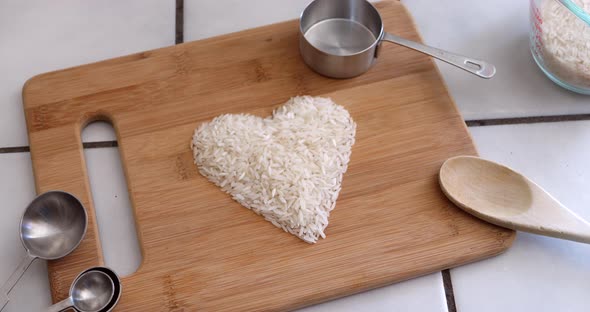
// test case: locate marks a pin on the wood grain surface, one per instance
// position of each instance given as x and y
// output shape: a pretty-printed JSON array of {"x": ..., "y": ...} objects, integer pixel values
[{"x": 203, "y": 251}]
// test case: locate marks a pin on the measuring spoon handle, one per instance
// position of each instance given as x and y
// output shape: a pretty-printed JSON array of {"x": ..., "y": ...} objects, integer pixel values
[
  {"x": 63, "y": 305},
  {"x": 477, "y": 67},
  {"x": 14, "y": 278}
]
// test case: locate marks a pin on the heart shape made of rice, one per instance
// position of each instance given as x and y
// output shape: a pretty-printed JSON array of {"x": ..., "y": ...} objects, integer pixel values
[{"x": 287, "y": 167}]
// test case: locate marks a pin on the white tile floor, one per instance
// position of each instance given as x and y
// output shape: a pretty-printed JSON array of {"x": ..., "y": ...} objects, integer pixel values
[
  {"x": 498, "y": 32},
  {"x": 203, "y": 19},
  {"x": 419, "y": 294},
  {"x": 39, "y": 36},
  {"x": 17, "y": 189},
  {"x": 536, "y": 274},
  {"x": 116, "y": 226}
]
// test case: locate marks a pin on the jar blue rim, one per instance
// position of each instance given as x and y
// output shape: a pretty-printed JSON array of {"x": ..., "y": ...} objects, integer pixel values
[
  {"x": 557, "y": 80},
  {"x": 574, "y": 8}
]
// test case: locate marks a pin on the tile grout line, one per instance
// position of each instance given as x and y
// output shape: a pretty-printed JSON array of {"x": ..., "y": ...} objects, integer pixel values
[
  {"x": 469, "y": 123},
  {"x": 14, "y": 149},
  {"x": 525, "y": 120},
  {"x": 26, "y": 149},
  {"x": 100, "y": 144},
  {"x": 449, "y": 293},
  {"x": 179, "y": 22},
  {"x": 178, "y": 38}
]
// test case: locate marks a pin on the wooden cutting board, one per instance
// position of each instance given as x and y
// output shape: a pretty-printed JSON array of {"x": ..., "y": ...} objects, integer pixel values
[{"x": 203, "y": 251}]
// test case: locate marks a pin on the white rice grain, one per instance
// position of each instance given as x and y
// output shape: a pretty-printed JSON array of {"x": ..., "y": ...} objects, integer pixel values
[
  {"x": 566, "y": 42},
  {"x": 299, "y": 154}
]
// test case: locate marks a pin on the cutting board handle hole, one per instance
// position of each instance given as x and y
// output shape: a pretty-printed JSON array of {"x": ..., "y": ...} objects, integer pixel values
[{"x": 114, "y": 214}]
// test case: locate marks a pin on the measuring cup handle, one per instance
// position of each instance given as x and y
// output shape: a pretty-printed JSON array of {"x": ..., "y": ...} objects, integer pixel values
[
  {"x": 63, "y": 305},
  {"x": 477, "y": 67},
  {"x": 14, "y": 278}
]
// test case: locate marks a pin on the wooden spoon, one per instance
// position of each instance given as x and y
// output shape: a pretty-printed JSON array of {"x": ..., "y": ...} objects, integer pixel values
[{"x": 501, "y": 196}]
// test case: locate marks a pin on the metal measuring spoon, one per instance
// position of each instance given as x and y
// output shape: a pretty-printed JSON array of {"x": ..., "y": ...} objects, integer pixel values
[
  {"x": 118, "y": 287},
  {"x": 91, "y": 291},
  {"x": 52, "y": 226}
]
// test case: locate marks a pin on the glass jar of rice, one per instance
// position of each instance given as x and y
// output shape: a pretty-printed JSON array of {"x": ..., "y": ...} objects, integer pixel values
[{"x": 560, "y": 41}]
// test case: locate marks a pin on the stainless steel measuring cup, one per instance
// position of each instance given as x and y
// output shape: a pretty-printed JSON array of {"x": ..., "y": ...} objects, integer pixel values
[
  {"x": 340, "y": 39},
  {"x": 52, "y": 226}
]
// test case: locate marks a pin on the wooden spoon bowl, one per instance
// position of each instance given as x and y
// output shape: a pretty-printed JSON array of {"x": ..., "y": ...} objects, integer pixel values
[{"x": 499, "y": 195}]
